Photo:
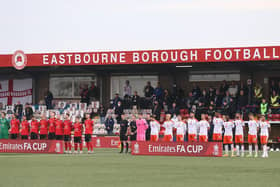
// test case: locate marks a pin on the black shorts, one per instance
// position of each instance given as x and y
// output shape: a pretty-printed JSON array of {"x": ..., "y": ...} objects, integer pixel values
[
  {"x": 59, "y": 137},
  {"x": 51, "y": 136},
  {"x": 133, "y": 137},
  {"x": 123, "y": 137},
  {"x": 67, "y": 138},
  {"x": 78, "y": 139},
  {"x": 43, "y": 136},
  {"x": 24, "y": 137},
  {"x": 34, "y": 136},
  {"x": 14, "y": 136},
  {"x": 87, "y": 137}
]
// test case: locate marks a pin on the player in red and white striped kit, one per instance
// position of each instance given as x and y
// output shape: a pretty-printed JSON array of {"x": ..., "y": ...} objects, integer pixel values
[
  {"x": 218, "y": 126},
  {"x": 228, "y": 135},
  {"x": 168, "y": 125},
  {"x": 252, "y": 135},
  {"x": 265, "y": 129},
  {"x": 239, "y": 134},
  {"x": 155, "y": 128},
  {"x": 203, "y": 129},
  {"x": 181, "y": 128},
  {"x": 192, "y": 128}
]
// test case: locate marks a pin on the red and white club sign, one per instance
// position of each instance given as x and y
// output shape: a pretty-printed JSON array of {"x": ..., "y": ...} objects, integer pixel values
[
  {"x": 178, "y": 56},
  {"x": 210, "y": 149}
]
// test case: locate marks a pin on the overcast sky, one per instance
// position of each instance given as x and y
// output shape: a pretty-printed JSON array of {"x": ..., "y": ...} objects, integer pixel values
[{"x": 88, "y": 25}]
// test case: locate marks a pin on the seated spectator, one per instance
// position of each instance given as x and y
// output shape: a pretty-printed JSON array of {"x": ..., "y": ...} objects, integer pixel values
[
  {"x": 274, "y": 101},
  {"x": 136, "y": 99},
  {"x": 165, "y": 107},
  {"x": 109, "y": 125},
  {"x": 212, "y": 93},
  {"x": 225, "y": 109},
  {"x": 174, "y": 110},
  {"x": 204, "y": 98},
  {"x": 189, "y": 101},
  {"x": 148, "y": 90}
]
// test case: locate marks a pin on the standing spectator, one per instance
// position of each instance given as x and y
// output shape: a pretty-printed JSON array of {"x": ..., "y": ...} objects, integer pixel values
[
  {"x": 263, "y": 107},
  {"x": 109, "y": 124},
  {"x": 48, "y": 99},
  {"x": 225, "y": 108},
  {"x": 167, "y": 98},
  {"x": 258, "y": 94},
  {"x": 233, "y": 89},
  {"x": 242, "y": 101},
  {"x": 148, "y": 90},
  {"x": 18, "y": 110},
  {"x": 127, "y": 89},
  {"x": 223, "y": 88},
  {"x": 189, "y": 101},
  {"x": 28, "y": 111},
  {"x": 227, "y": 98},
  {"x": 174, "y": 110},
  {"x": 93, "y": 92},
  {"x": 204, "y": 98},
  {"x": 232, "y": 108},
  {"x": 156, "y": 110},
  {"x": 85, "y": 95},
  {"x": 102, "y": 113},
  {"x": 212, "y": 93},
  {"x": 158, "y": 92},
  {"x": 196, "y": 91},
  {"x": 136, "y": 99},
  {"x": 218, "y": 98},
  {"x": 116, "y": 100},
  {"x": 119, "y": 111}
]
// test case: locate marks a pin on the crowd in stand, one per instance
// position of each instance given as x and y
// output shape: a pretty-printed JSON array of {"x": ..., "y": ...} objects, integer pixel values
[{"x": 227, "y": 99}]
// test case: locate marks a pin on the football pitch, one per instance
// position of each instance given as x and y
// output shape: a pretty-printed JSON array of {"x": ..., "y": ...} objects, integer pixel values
[{"x": 106, "y": 167}]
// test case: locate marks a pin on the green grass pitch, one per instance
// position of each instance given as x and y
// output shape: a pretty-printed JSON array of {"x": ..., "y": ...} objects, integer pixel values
[{"x": 109, "y": 168}]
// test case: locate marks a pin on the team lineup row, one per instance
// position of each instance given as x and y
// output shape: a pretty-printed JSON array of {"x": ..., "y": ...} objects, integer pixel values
[{"x": 55, "y": 128}]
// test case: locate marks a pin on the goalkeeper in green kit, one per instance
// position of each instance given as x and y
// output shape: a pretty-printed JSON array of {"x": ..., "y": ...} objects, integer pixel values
[{"x": 4, "y": 126}]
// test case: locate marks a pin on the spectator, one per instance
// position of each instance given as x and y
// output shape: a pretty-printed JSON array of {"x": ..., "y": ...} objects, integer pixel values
[
  {"x": 204, "y": 98},
  {"x": 48, "y": 99},
  {"x": 93, "y": 92},
  {"x": 273, "y": 87},
  {"x": 28, "y": 111},
  {"x": 263, "y": 107},
  {"x": 148, "y": 130},
  {"x": 232, "y": 108},
  {"x": 223, "y": 88},
  {"x": 165, "y": 107},
  {"x": 116, "y": 100},
  {"x": 196, "y": 91},
  {"x": 218, "y": 98},
  {"x": 258, "y": 94},
  {"x": 167, "y": 98},
  {"x": 274, "y": 100},
  {"x": 127, "y": 89},
  {"x": 102, "y": 113},
  {"x": 212, "y": 93},
  {"x": 158, "y": 92},
  {"x": 156, "y": 110},
  {"x": 136, "y": 99},
  {"x": 174, "y": 110},
  {"x": 18, "y": 110},
  {"x": 189, "y": 101},
  {"x": 242, "y": 101},
  {"x": 109, "y": 124},
  {"x": 148, "y": 90},
  {"x": 199, "y": 110},
  {"x": 226, "y": 98},
  {"x": 211, "y": 111},
  {"x": 243, "y": 87},
  {"x": 85, "y": 95},
  {"x": 119, "y": 111},
  {"x": 225, "y": 108},
  {"x": 233, "y": 89}
]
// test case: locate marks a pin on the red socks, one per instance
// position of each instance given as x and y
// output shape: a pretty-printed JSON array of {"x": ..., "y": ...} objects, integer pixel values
[
  {"x": 76, "y": 146},
  {"x": 81, "y": 146}
]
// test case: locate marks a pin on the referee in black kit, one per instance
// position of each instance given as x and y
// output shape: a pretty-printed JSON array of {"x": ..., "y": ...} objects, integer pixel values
[{"x": 124, "y": 133}]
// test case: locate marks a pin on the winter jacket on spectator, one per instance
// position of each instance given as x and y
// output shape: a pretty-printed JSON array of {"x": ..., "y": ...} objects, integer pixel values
[
  {"x": 109, "y": 125},
  {"x": 157, "y": 110},
  {"x": 148, "y": 91}
]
